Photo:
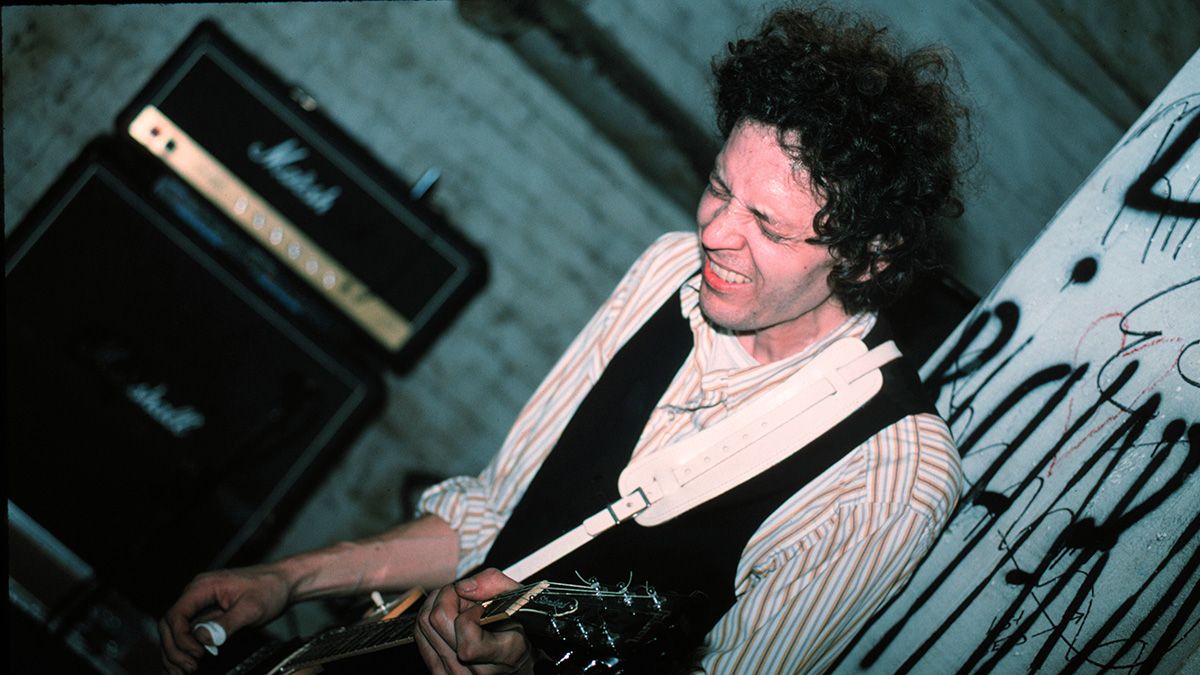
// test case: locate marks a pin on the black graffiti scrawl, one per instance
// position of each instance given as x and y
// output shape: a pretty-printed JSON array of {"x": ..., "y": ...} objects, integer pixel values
[{"x": 1074, "y": 392}]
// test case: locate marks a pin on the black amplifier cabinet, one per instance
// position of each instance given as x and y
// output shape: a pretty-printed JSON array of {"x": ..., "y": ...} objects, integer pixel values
[
  {"x": 387, "y": 270},
  {"x": 198, "y": 317},
  {"x": 160, "y": 409}
]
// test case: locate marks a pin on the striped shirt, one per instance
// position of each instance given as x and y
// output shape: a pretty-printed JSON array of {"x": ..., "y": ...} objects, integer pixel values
[{"x": 821, "y": 564}]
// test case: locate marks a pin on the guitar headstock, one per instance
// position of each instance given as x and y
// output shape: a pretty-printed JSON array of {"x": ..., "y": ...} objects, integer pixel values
[{"x": 603, "y": 620}]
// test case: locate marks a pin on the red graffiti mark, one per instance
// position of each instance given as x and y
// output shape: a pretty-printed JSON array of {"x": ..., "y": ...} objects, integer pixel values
[
  {"x": 1138, "y": 399},
  {"x": 1075, "y": 359},
  {"x": 1170, "y": 363},
  {"x": 1124, "y": 354},
  {"x": 1092, "y": 326},
  {"x": 1149, "y": 343}
]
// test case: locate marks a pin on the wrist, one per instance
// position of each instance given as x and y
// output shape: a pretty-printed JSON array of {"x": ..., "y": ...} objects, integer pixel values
[{"x": 308, "y": 575}]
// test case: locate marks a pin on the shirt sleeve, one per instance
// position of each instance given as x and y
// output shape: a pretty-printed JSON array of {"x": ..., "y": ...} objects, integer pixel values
[
  {"x": 477, "y": 507},
  {"x": 805, "y": 600}
]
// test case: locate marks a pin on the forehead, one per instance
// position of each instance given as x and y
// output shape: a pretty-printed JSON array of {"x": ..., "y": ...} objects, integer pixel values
[{"x": 754, "y": 165}]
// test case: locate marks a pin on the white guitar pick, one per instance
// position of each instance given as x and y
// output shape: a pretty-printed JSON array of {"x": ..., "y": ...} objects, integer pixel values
[{"x": 216, "y": 631}]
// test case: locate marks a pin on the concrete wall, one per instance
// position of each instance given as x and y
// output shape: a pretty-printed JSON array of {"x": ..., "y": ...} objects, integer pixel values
[{"x": 1074, "y": 393}]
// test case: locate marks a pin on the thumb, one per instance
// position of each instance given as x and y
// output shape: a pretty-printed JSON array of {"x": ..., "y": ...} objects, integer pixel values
[{"x": 485, "y": 585}]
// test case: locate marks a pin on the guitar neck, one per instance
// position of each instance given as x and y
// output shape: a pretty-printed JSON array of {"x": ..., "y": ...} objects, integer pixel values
[{"x": 358, "y": 639}]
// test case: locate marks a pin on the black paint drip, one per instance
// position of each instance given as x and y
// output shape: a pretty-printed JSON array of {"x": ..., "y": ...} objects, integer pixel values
[{"x": 1084, "y": 270}]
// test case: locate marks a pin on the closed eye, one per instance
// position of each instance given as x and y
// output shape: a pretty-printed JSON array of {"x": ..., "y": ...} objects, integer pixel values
[
  {"x": 771, "y": 236},
  {"x": 717, "y": 188},
  {"x": 766, "y": 226}
]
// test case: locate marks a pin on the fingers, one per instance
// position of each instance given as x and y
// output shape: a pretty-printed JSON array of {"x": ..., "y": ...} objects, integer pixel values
[
  {"x": 451, "y": 640},
  {"x": 175, "y": 659},
  {"x": 208, "y": 634},
  {"x": 485, "y": 585},
  {"x": 436, "y": 635},
  {"x": 180, "y": 647},
  {"x": 489, "y": 650},
  {"x": 229, "y": 600}
]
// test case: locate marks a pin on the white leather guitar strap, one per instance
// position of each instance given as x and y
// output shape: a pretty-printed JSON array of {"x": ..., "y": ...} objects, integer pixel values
[{"x": 685, "y": 474}]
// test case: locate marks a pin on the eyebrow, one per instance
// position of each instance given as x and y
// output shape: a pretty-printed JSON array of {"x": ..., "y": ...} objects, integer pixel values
[
  {"x": 760, "y": 215},
  {"x": 715, "y": 175}
]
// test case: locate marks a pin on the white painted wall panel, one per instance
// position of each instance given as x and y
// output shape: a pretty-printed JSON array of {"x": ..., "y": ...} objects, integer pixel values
[{"x": 1074, "y": 393}]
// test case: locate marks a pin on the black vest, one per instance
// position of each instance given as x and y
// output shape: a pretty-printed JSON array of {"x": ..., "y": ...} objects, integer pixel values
[{"x": 699, "y": 549}]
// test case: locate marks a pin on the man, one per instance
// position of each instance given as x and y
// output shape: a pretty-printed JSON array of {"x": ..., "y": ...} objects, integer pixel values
[{"x": 839, "y": 159}]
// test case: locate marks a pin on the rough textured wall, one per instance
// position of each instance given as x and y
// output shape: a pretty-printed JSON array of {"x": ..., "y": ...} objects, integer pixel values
[{"x": 1074, "y": 393}]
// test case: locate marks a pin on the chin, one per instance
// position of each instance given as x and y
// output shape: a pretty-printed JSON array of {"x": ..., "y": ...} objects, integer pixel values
[{"x": 724, "y": 321}]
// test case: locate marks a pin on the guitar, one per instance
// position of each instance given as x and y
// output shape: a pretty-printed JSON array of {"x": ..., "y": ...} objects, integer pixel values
[{"x": 586, "y": 628}]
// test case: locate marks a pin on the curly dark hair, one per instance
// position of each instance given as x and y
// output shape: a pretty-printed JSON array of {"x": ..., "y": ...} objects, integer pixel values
[{"x": 876, "y": 128}]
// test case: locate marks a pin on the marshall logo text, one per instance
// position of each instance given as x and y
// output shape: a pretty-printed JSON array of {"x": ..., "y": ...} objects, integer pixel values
[
  {"x": 279, "y": 160},
  {"x": 179, "y": 420}
]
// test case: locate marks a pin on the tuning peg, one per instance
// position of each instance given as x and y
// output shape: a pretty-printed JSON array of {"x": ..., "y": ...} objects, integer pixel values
[
  {"x": 609, "y": 638},
  {"x": 655, "y": 598}
]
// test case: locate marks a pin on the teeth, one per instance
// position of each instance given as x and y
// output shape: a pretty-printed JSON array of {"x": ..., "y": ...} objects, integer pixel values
[{"x": 728, "y": 275}]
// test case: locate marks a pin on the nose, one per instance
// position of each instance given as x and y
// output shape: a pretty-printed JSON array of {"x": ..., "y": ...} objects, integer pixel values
[{"x": 719, "y": 227}]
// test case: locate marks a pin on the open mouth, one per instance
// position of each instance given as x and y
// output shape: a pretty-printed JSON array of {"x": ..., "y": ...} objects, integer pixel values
[{"x": 728, "y": 276}]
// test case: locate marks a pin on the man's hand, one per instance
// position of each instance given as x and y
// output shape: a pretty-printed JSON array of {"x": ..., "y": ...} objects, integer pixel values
[
  {"x": 452, "y": 642},
  {"x": 233, "y": 599}
]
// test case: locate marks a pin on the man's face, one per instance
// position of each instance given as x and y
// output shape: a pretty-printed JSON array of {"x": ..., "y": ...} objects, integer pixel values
[{"x": 761, "y": 278}]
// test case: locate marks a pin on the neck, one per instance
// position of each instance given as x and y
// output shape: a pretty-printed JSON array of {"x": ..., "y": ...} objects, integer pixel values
[{"x": 780, "y": 341}]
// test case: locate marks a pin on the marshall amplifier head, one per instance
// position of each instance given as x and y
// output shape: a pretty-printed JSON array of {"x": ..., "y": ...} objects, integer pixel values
[
  {"x": 162, "y": 412},
  {"x": 380, "y": 262}
]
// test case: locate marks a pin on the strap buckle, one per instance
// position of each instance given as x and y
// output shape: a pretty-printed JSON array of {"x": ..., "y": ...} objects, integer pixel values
[{"x": 619, "y": 511}]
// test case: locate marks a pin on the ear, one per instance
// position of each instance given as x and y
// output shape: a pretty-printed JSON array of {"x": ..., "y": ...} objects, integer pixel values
[{"x": 879, "y": 248}]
